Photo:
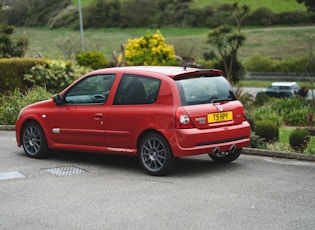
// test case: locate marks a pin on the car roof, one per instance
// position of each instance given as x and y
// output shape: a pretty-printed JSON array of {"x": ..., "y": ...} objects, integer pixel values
[
  {"x": 170, "y": 71},
  {"x": 283, "y": 84}
]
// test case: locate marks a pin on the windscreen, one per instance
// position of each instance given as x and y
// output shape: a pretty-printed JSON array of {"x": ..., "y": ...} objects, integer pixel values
[{"x": 201, "y": 90}]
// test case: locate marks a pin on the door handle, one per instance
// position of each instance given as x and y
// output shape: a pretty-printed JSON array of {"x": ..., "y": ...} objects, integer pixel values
[{"x": 98, "y": 116}]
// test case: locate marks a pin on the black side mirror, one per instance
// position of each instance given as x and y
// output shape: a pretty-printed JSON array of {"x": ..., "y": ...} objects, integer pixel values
[{"x": 57, "y": 99}]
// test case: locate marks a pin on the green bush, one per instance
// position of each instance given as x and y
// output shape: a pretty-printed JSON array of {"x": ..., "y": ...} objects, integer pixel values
[
  {"x": 299, "y": 139},
  {"x": 94, "y": 60},
  {"x": 10, "y": 106},
  {"x": 261, "y": 98},
  {"x": 12, "y": 71},
  {"x": 256, "y": 141},
  {"x": 267, "y": 130},
  {"x": 266, "y": 113},
  {"x": 150, "y": 49},
  {"x": 293, "y": 64},
  {"x": 289, "y": 111},
  {"x": 54, "y": 75},
  {"x": 260, "y": 63},
  {"x": 293, "y": 110}
]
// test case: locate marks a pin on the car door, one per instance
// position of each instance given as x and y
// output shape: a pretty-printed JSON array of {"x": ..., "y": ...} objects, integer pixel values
[{"x": 81, "y": 117}]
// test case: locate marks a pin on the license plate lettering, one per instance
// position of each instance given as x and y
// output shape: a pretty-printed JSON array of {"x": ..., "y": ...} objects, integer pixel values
[{"x": 219, "y": 117}]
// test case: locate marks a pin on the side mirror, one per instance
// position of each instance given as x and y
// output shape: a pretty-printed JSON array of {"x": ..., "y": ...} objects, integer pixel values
[{"x": 57, "y": 99}]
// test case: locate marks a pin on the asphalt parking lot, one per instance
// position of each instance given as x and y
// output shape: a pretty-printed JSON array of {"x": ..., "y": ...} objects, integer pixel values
[{"x": 71, "y": 190}]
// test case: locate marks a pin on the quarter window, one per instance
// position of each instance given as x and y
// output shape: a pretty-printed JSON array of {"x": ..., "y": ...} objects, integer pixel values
[
  {"x": 135, "y": 89},
  {"x": 92, "y": 90}
]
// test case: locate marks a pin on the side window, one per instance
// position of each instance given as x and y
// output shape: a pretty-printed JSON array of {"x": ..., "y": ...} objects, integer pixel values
[
  {"x": 135, "y": 89},
  {"x": 91, "y": 90}
]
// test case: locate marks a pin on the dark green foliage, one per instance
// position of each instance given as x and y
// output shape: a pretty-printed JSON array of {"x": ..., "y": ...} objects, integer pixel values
[
  {"x": 289, "y": 111},
  {"x": 34, "y": 12},
  {"x": 267, "y": 130},
  {"x": 237, "y": 71},
  {"x": 293, "y": 110},
  {"x": 291, "y": 64},
  {"x": 12, "y": 71},
  {"x": 67, "y": 17},
  {"x": 256, "y": 141},
  {"x": 94, "y": 60},
  {"x": 53, "y": 75},
  {"x": 10, "y": 47},
  {"x": 140, "y": 13},
  {"x": 310, "y": 4},
  {"x": 104, "y": 13},
  {"x": 261, "y": 98},
  {"x": 299, "y": 139},
  {"x": 11, "y": 105},
  {"x": 260, "y": 63}
]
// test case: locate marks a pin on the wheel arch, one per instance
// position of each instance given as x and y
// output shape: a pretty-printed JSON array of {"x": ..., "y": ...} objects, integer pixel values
[
  {"x": 25, "y": 123},
  {"x": 145, "y": 132}
]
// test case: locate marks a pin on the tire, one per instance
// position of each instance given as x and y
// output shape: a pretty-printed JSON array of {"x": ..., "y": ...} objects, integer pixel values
[
  {"x": 34, "y": 141},
  {"x": 155, "y": 155},
  {"x": 226, "y": 158}
]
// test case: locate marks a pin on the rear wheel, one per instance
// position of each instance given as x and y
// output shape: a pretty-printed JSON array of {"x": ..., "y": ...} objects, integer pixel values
[
  {"x": 225, "y": 158},
  {"x": 155, "y": 155},
  {"x": 34, "y": 141}
]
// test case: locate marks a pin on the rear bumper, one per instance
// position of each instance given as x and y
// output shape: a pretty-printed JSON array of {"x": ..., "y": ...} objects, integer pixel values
[{"x": 189, "y": 142}]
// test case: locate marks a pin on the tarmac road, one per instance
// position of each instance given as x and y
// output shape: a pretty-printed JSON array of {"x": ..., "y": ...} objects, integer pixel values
[{"x": 113, "y": 192}]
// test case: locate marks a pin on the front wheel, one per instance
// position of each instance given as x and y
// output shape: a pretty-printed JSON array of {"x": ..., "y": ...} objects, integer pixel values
[
  {"x": 225, "y": 158},
  {"x": 34, "y": 141},
  {"x": 155, "y": 155}
]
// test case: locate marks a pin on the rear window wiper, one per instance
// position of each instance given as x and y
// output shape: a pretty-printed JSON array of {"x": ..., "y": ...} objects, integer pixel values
[
  {"x": 221, "y": 100},
  {"x": 232, "y": 97}
]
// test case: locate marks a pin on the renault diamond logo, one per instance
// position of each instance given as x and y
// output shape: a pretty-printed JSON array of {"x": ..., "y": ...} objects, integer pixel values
[{"x": 220, "y": 108}]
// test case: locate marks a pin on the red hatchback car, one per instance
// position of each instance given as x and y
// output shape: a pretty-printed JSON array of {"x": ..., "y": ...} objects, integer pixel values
[{"x": 156, "y": 113}]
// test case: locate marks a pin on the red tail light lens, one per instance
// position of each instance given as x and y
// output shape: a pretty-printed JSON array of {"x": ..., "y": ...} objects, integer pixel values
[{"x": 182, "y": 119}]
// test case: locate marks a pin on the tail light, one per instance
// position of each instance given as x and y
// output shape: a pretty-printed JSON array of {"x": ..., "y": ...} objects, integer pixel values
[{"x": 182, "y": 120}]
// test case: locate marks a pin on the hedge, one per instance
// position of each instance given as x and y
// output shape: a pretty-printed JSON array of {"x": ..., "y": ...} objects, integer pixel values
[{"x": 12, "y": 72}]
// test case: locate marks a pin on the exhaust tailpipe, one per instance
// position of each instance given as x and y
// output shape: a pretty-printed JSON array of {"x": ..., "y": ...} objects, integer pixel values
[
  {"x": 232, "y": 149},
  {"x": 216, "y": 150}
]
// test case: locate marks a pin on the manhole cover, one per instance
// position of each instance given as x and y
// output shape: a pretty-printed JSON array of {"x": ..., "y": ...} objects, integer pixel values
[{"x": 65, "y": 170}]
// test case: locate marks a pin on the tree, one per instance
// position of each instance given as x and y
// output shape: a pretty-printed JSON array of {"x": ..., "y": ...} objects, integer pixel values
[
  {"x": 228, "y": 41},
  {"x": 8, "y": 47},
  {"x": 310, "y": 4}
]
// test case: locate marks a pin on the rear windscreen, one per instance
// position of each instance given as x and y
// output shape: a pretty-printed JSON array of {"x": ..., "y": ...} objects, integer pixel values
[{"x": 202, "y": 90}]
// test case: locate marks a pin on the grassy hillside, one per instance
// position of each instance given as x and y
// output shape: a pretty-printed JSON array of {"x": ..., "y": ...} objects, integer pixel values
[
  {"x": 275, "y": 5},
  {"x": 274, "y": 42}
]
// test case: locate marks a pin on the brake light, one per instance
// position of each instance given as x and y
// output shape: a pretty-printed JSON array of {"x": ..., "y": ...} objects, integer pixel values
[{"x": 182, "y": 120}]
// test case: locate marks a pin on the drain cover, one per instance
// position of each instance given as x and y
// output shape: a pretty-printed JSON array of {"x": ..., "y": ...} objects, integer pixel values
[{"x": 65, "y": 170}]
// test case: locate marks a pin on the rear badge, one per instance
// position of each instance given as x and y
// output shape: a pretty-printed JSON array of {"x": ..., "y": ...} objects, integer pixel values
[
  {"x": 201, "y": 120},
  {"x": 220, "y": 108}
]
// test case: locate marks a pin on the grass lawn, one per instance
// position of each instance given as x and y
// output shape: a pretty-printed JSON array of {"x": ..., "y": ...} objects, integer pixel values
[
  {"x": 274, "y": 42},
  {"x": 284, "y": 144},
  {"x": 284, "y": 134}
]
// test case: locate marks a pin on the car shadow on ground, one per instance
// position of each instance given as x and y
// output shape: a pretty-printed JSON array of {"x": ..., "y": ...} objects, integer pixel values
[{"x": 185, "y": 166}]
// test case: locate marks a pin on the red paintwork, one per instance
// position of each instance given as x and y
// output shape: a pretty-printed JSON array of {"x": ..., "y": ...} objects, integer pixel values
[{"x": 119, "y": 129}]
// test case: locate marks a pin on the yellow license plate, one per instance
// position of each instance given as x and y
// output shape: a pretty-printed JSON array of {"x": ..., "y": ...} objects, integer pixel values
[{"x": 218, "y": 117}]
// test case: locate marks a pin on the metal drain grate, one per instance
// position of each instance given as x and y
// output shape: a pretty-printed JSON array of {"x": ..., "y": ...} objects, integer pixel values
[{"x": 65, "y": 170}]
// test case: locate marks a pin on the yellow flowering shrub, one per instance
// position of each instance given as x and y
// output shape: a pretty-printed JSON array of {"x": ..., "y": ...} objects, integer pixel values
[{"x": 150, "y": 49}]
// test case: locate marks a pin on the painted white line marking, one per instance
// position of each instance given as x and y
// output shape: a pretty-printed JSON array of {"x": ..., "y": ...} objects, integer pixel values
[{"x": 11, "y": 175}]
